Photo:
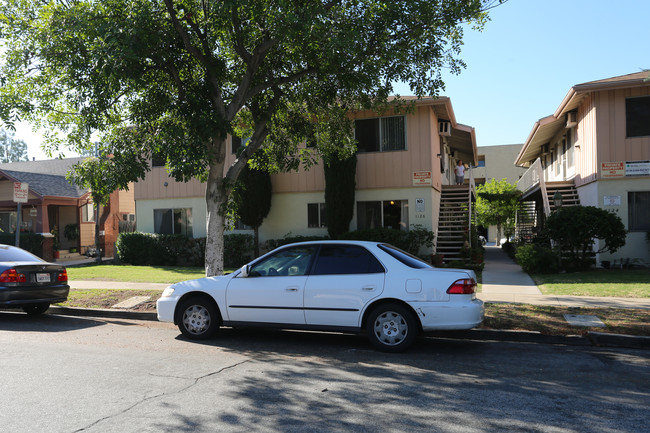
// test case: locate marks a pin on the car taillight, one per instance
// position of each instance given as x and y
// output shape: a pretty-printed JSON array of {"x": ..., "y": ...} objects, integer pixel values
[
  {"x": 12, "y": 276},
  {"x": 63, "y": 276},
  {"x": 462, "y": 287}
]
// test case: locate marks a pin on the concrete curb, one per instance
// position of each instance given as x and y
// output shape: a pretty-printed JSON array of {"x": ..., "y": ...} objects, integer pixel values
[
  {"x": 104, "y": 313},
  {"x": 599, "y": 339}
]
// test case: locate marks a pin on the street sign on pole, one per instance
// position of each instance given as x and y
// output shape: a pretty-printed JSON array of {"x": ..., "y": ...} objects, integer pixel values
[{"x": 21, "y": 194}]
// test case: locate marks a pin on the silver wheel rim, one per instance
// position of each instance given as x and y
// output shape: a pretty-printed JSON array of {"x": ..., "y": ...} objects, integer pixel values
[
  {"x": 390, "y": 328},
  {"x": 196, "y": 319}
]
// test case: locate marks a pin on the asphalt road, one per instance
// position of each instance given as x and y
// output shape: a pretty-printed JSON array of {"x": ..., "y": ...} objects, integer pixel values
[{"x": 76, "y": 374}]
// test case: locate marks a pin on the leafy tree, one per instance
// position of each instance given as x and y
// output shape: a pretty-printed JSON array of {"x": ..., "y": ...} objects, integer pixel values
[
  {"x": 97, "y": 175},
  {"x": 12, "y": 150},
  {"x": 174, "y": 78},
  {"x": 252, "y": 200},
  {"x": 576, "y": 228},
  {"x": 340, "y": 185},
  {"x": 497, "y": 204}
]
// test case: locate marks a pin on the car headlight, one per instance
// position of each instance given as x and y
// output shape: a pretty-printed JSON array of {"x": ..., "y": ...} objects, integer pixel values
[{"x": 167, "y": 292}]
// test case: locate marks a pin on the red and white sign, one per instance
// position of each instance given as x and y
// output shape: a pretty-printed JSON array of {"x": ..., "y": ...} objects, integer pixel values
[
  {"x": 422, "y": 178},
  {"x": 21, "y": 192},
  {"x": 610, "y": 170}
]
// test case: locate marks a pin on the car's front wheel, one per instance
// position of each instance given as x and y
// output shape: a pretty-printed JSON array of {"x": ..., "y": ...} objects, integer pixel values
[
  {"x": 198, "y": 318},
  {"x": 391, "y": 327},
  {"x": 35, "y": 309}
]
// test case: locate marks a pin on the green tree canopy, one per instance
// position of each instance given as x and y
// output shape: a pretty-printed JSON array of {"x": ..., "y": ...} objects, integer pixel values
[
  {"x": 497, "y": 204},
  {"x": 174, "y": 78},
  {"x": 12, "y": 150}
]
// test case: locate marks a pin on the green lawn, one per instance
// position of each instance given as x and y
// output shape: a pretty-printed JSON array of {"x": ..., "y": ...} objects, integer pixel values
[
  {"x": 629, "y": 283},
  {"x": 135, "y": 274}
]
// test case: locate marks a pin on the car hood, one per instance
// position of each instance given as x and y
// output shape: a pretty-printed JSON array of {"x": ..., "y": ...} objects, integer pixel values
[{"x": 205, "y": 284}]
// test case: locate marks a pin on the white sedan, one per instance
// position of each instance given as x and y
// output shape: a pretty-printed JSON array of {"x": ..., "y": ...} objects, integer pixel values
[{"x": 345, "y": 286}]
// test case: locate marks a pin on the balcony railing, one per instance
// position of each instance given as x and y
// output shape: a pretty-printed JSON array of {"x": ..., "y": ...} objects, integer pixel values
[{"x": 533, "y": 177}]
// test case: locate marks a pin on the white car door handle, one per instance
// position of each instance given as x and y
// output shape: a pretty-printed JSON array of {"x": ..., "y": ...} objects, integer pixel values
[
  {"x": 291, "y": 289},
  {"x": 368, "y": 289}
]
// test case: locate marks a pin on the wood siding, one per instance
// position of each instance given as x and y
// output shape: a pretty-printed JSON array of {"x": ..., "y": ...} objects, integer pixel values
[
  {"x": 586, "y": 143},
  {"x": 153, "y": 186},
  {"x": 613, "y": 144}
]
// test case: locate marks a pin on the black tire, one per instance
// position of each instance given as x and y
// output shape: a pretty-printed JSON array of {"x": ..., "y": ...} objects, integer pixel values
[
  {"x": 392, "y": 327},
  {"x": 35, "y": 309},
  {"x": 198, "y": 318}
]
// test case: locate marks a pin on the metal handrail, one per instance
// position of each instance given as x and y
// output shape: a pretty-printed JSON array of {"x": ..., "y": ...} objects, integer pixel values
[{"x": 532, "y": 177}]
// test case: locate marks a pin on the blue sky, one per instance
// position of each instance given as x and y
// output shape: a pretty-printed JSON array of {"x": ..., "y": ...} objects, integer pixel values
[{"x": 526, "y": 60}]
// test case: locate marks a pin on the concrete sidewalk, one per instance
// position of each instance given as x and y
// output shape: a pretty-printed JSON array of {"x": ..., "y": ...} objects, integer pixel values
[{"x": 504, "y": 281}]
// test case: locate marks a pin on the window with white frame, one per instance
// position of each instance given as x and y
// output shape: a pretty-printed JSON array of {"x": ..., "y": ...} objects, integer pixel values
[
  {"x": 316, "y": 216},
  {"x": 8, "y": 221},
  {"x": 87, "y": 213},
  {"x": 387, "y": 213},
  {"x": 173, "y": 221},
  {"x": 383, "y": 134},
  {"x": 638, "y": 203}
]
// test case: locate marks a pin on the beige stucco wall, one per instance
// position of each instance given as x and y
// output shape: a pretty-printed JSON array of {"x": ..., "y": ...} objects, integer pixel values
[
  {"x": 144, "y": 211},
  {"x": 594, "y": 194}
]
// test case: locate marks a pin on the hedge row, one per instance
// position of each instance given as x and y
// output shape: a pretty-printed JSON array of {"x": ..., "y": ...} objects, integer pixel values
[
  {"x": 176, "y": 250},
  {"x": 32, "y": 242}
]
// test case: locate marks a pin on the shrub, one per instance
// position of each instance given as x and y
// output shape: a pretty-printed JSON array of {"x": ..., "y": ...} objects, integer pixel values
[
  {"x": 147, "y": 249},
  {"x": 32, "y": 242},
  {"x": 410, "y": 241},
  {"x": 535, "y": 258},
  {"x": 238, "y": 249},
  {"x": 138, "y": 248},
  {"x": 575, "y": 229}
]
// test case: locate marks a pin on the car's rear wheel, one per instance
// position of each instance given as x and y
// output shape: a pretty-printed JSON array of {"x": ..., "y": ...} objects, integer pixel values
[
  {"x": 198, "y": 318},
  {"x": 35, "y": 309},
  {"x": 391, "y": 327}
]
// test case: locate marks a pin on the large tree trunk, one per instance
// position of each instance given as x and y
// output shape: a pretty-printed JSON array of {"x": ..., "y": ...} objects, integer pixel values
[{"x": 215, "y": 196}]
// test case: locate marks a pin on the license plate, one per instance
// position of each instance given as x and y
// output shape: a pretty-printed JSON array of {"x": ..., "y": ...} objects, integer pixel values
[{"x": 43, "y": 278}]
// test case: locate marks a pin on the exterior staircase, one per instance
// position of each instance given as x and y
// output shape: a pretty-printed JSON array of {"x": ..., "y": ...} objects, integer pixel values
[
  {"x": 568, "y": 191},
  {"x": 526, "y": 222},
  {"x": 453, "y": 221}
]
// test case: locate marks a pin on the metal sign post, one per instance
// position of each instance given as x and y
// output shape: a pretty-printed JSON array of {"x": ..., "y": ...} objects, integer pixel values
[{"x": 21, "y": 194}]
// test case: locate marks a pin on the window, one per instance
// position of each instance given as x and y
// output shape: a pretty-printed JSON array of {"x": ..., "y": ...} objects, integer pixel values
[
  {"x": 288, "y": 262},
  {"x": 237, "y": 144},
  {"x": 481, "y": 161},
  {"x": 381, "y": 134},
  {"x": 637, "y": 116},
  {"x": 390, "y": 214},
  {"x": 158, "y": 160},
  {"x": 87, "y": 213},
  {"x": 346, "y": 259},
  {"x": 8, "y": 221},
  {"x": 173, "y": 221},
  {"x": 570, "y": 149},
  {"x": 316, "y": 216},
  {"x": 238, "y": 225},
  {"x": 638, "y": 203}
]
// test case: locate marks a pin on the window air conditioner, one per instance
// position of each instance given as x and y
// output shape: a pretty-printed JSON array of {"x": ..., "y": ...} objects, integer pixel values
[
  {"x": 571, "y": 119},
  {"x": 444, "y": 128}
]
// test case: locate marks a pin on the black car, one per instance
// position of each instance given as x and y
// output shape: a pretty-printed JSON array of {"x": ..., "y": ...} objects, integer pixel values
[{"x": 30, "y": 283}]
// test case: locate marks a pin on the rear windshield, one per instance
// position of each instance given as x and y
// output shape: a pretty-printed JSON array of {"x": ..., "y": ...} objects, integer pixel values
[
  {"x": 11, "y": 254},
  {"x": 408, "y": 259}
]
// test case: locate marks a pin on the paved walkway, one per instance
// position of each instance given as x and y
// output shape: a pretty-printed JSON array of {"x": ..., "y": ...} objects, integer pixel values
[{"x": 504, "y": 281}]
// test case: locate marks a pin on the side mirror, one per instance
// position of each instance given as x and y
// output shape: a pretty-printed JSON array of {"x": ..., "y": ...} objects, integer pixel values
[{"x": 245, "y": 270}]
